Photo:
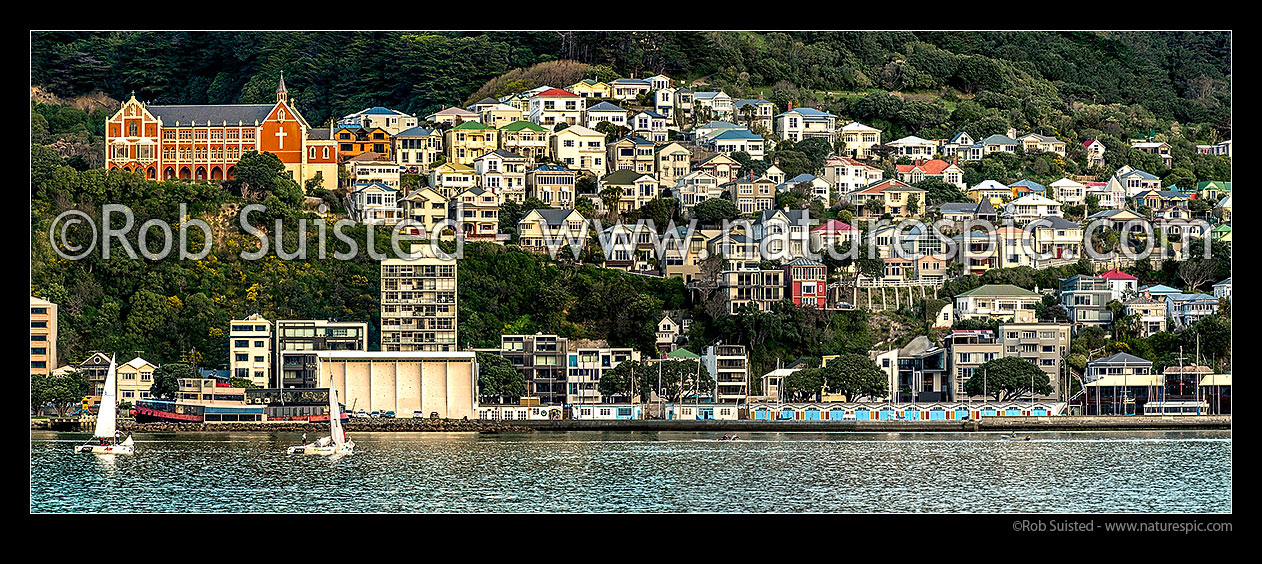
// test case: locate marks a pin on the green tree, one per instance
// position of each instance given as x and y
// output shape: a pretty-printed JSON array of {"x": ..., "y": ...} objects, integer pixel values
[
  {"x": 856, "y": 376},
  {"x": 1007, "y": 378},
  {"x": 166, "y": 379},
  {"x": 498, "y": 379},
  {"x": 713, "y": 211}
]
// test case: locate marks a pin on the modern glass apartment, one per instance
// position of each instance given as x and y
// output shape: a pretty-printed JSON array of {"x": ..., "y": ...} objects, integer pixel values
[{"x": 298, "y": 341}]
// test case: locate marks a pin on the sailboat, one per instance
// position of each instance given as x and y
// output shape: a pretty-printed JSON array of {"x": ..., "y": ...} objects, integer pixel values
[
  {"x": 104, "y": 438},
  {"x": 336, "y": 442}
]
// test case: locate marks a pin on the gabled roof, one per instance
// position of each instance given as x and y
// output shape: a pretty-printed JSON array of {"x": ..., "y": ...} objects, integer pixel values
[
  {"x": 467, "y": 125},
  {"x": 651, "y": 114},
  {"x": 417, "y": 132},
  {"x": 622, "y": 177},
  {"x": 736, "y": 134},
  {"x": 998, "y": 139},
  {"x": 1116, "y": 274},
  {"x": 1032, "y": 185},
  {"x": 682, "y": 353},
  {"x": 217, "y": 113},
  {"x": 523, "y": 124},
  {"x": 556, "y": 93},
  {"x": 1136, "y": 172},
  {"x": 552, "y": 216},
  {"x": 911, "y": 139},
  {"x": 932, "y": 167},
  {"x": 833, "y": 226},
  {"x": 453, "y": 111},
  {"x": 606, "y": 107},
  {"x": 580, "y": 130},
  {"x": 891, "y": 185},
  {"x": 486, "y": 101},
  {"x": 856, "y": 126},
  {"x": 1121, "y": 357},
  {"x": 999, "y": 290},
  {"x": 630, "y": 81},
  {"x": 1056, "y": 222}
]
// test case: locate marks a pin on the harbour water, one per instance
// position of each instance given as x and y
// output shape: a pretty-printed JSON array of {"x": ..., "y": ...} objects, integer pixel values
[{"x": 1073, "y": 472}]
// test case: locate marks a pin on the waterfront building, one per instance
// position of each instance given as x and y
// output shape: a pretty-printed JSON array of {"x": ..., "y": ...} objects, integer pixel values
[
  {"x": 584, "y": 368},
  {"x": 409, "y": 383},
  {"x": 201, "y": 400},
  {"x": 298, "y": 341},
  {"x": 728, "y": 365},
  {"x": 43, "y": 336},
  {"x": 250, "y": 349},
  {"x": 95, "y": 368},
  {"x": 205, "y": 142},
  {"x": 541, "y": 360},
  {"x": 418, "y": 302},
  {"x": 967, "y": 351},
  {"x": 1043, "y": 344},
  {"x": 134, "y": 378}
]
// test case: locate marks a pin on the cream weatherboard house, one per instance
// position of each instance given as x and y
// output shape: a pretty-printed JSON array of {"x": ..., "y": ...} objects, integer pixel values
[{"x": 580, "y": 148}]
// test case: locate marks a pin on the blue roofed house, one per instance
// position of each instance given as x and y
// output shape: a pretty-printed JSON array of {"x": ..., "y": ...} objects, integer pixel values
[
  {"x": 755, "y": 113},
  {"x": 628, "y": 88},
  {"x": 819, "y": 189},
  {"x": 718, "y": 104},
  {"x": 650, "y": 125},
  {"x": 798, "y": 124},
  {"x": 998, "y": 144},
  {"x": 743, "y": 140},
  {"x": 1133, "y": 181},
  {"x": 605, "y": 112},
  {"x": 1186, "y": 309}
]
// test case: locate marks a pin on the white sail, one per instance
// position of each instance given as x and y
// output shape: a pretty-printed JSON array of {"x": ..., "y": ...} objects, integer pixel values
[
  {"x": 335, "y": 419},
  {"x": 105, "y": 417}
]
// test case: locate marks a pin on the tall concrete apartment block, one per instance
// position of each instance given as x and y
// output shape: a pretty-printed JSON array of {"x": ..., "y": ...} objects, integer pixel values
[
  {"x": 418, "y": 303},
  {"x": 729, "y": 367},
  {"x": 1043, "y": 344},
  {"x": 43, "y": 336},
  {"x": 298, "y": 341},
  {"x": 250, "y": 349},
  {"x": 542, "y": 360}
]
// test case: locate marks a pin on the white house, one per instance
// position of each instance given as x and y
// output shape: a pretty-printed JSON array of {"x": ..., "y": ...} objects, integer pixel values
[
  {"x": 1031, "y": 207},
  {"x": 914, "y": 147}
]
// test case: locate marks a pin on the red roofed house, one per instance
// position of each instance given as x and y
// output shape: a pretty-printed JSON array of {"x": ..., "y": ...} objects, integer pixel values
[
  {"x": 1121, "y": 284},
  {"x": 554, "y": 106},
  {"x": 1095, "y": 152},
  {"x": 935, "y": 168},
  {"x": 832, "y": 233},
  {"x": 893, "y": 197},
  {"x": 807, "y": 284}
]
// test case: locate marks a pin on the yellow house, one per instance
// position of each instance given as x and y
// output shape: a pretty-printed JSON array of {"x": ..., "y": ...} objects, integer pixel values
[
  {"x": 470, "y": 140},
  {"x": 550, "y": 226},
  {"x": 427, "y": 208},
  {"x": 500, "y": 115},
  {"x": 580, "y": 148},
  {"x": 449, "y": 179},
  {"x": 134, "y": 378},
  {"x": 589, "y": 88},
  {"x": 994, "y": 191}
]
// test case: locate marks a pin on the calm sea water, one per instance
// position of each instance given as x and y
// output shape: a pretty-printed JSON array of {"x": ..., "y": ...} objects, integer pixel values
[{"x": 643, "y": 472}]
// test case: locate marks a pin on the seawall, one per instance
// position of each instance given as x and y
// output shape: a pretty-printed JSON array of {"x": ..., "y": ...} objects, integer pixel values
[{"x": 989, "y": 424}]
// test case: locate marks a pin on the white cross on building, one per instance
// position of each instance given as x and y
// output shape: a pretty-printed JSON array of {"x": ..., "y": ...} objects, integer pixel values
[{"x": 280, "y": 136}]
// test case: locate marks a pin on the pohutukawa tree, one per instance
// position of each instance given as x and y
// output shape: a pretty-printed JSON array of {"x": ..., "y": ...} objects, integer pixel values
[{"x": 1008, "y": 378}]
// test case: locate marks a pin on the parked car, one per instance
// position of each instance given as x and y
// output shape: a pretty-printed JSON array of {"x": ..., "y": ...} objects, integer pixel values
[
  {"x": 388, "y": 415},
  {"x": 375, "y": 414},
  {"x": 433, "y": 415},
  {"x": 418, "y": 414},
  {"x": 361, "y": 413}
]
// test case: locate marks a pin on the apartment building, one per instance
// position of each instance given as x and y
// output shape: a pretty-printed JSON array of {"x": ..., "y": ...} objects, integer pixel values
[
  {"x": 552, "y": 185},
  {"x": 542, "y": 360},
  {"x": 418, "y": 302},
  {"x": 250, "y": 349},
  {"x": 298, "y": 341},
  {"x": 728, "y": 365},
  {"x": 584, "y": 368},
  {"x": 1043, "y": 344},
  {"x": 968, "y": 350},
  {"x": 43, "y": 336},
  {"x": 763, "y": 288},
  {"x": 1087, "y": 298}
]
